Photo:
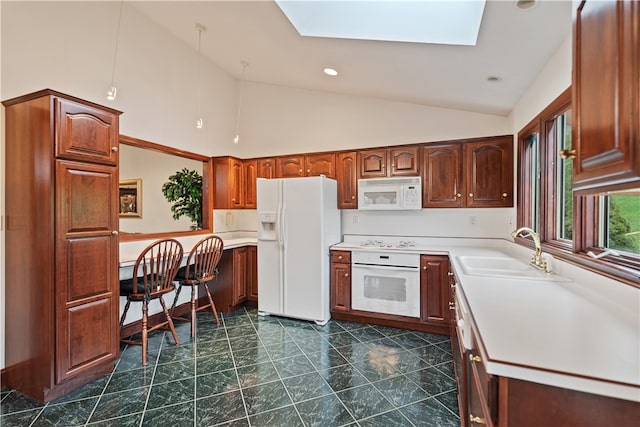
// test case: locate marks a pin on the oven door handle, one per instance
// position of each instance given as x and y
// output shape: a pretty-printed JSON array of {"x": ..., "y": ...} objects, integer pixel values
[{"x": 384, "y": 267}]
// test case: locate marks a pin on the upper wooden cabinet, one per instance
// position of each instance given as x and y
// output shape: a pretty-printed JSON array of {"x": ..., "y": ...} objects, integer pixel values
[
  {"x": 469, "y": 174},
  {"x": 267, "y": 168},
  {"x": 346, "y": 175},
  {"x": 442, "y": 183},
  {"x": 489, "y": 172},
  {"x": 249, "y": 175},
  {"x": 85, "y": 133},
  {"x": 378, "y": 163},
  {"x": 290, "y": 166},
  {"x": 320, "y": 164},
  {"x": 606, "y": 96},
  {"x": 229, "y": 183},
  {"x": 61, "y": 292}
]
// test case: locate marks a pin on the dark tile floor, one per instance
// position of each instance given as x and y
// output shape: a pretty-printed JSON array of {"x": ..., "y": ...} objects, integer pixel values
[{"x": 263, "y": 371}]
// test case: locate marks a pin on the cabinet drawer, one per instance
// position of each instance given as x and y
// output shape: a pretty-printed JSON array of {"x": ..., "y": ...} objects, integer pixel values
[{"x": 341, "y": 256}]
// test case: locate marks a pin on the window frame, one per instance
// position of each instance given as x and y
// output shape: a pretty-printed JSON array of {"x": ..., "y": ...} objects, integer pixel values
[{"x": 585, "y": 208}]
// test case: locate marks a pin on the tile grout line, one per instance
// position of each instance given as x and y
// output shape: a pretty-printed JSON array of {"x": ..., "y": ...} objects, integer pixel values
[
  {"x": 235, "y": 367},
  {"x": 153, "y": 377}
]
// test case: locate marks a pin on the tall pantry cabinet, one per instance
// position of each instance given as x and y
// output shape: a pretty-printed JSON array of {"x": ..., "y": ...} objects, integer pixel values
[{"x": 62, "y": 296}]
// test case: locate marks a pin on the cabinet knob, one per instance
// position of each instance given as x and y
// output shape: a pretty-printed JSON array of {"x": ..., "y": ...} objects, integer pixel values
[
  {"x": 308, "y": 170},
  {"x": 470, "y": 194},
  {"x": 346, "y": 274},
  {"x": 567, "y": 154},
  {"x": 339, "y": 256},
  {"x": 453, "y": 286},
  {"x": 458, "y": 195},
  {"x": 449, "y": 273},
  {"x": 233, "y": 200},
  {"x": 475, "y": 358},
  {"x": 114, "y": 233},
  {"x": 424, "y": 268},
  {"x": 504, "y": 195},
  {"x": 452, "y": 305},
  {"x": 477, "y": 420},
  {"x": 300, "y": 172},
  {"x": 353, "y": 197},
  {"x": 114, "y": 149}
]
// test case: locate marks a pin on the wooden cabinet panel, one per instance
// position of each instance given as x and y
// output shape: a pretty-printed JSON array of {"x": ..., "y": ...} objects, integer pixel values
[
  {"x": 62, "y": 299},
  {"x": 267, "y": 168},
  {"x": 252, "y": 273},
  {"x": 442, "y": 184},
  {"x": 249, "y": 175},
  {"x": 229, "y": 173},
  {"x": 373, "y": 163},
  {"x": 340, "y": 292},
  {"x": 489, "y": 173},
  {"x": 320, "y": 164},
  {"x": 239, "y": 275},
  {"x": 346, "y": 175},
  {"x": 290, "y": 167},
  {"x": 606, "y": 96},
  {"x": 434, "y": 289},
  {"x": 85, "y": 133},
  {"x": 404, "y": 161}
]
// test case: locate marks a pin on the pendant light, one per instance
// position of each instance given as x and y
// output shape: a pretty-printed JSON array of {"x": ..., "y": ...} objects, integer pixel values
[
  {"x": 112, "y": 92},
  {"x": 236, "y": 139},
  {"x": 200, "y": 29}
]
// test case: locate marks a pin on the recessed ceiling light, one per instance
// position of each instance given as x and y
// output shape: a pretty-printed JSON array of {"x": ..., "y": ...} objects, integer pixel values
[
  {"x": 330, "y": 71},
  {"x": 526, "y": 4},
  {"x": 493, "y": 79}
]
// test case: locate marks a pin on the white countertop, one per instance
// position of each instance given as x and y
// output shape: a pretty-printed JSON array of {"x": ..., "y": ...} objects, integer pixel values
[
  {"x": 582, "y": 334},
  {"x": 129, "y": 251}
]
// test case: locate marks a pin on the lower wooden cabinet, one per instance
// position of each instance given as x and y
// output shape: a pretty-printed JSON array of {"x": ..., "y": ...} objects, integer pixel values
[
  {"x": 237, "y": 279},
  {"x": 434, "y": 289},
  {"x": 340, "y": 281}
]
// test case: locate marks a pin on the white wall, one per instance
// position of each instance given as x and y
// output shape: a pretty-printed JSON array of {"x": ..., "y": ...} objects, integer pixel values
[{"x": 282, "y": 120}]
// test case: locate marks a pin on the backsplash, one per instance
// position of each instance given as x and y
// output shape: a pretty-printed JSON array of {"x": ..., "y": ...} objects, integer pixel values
[
  {"x": 485, "y": 223},
  {"x": 226, "y": 220}
]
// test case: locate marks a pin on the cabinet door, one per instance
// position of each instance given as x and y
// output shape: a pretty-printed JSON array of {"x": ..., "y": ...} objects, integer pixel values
[
  {"x": 340, "y": 293},
  {"x": 267, "y": 168},
  {"x": 320, "y": 164},
  {"x": 442, "y": 172},
  {"x": 85, "y": 133},
  {"x": 290, "y": 167},
  {"x": 235, "y": 184},
  {"x": 434, "y": 289},
  {"x": 252, "y": 273},
  {"x": 239, "y": 275},
  {"x": 489, "y": 172},
  {"x": 373, "y": 163},
  {"x": 249, "y": 174},
  {"x": 606, "y": 96},
  {"x": 87, "y": 297},
  {"x": 404, "y": 161},
  {"x": 346, "y": 175}
]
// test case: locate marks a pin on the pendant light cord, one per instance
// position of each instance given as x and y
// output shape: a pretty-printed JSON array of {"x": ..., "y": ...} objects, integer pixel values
[
  {"x": 115, "y": 51},
  {"x": 244, "y": 64}
]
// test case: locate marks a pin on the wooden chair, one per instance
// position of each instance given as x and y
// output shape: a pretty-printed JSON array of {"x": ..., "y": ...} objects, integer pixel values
[
  {"x": 153, "y": 276},
  {"x": 201, "y": 269}
]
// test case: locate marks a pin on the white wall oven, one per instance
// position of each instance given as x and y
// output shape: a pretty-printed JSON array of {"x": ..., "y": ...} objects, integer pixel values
[{"x": 386, "y": 282}]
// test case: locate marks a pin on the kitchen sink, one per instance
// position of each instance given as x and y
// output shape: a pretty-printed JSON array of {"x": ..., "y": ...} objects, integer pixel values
[{"x": 506, "y": 267}]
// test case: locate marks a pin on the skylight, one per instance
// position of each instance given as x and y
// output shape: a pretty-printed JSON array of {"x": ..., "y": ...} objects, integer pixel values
[{"x": 453, "y": 22}]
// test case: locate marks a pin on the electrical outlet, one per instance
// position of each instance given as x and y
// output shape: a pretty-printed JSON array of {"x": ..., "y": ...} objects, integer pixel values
[
  {"x": 472, "y": 220},
  {"x": 355, "y": 219}
]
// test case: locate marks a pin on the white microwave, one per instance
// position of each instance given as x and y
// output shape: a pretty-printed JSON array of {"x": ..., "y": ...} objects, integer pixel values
[{"x": 402, "y": 193}]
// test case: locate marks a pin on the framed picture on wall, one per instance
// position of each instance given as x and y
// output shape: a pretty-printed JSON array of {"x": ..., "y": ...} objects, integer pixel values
[{"x": 130, "y": 198}]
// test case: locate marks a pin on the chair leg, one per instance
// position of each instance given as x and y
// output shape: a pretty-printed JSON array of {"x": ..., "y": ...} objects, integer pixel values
[
  {"x": 213, "y": 306},
  {"x": 169, "y": 321},
  {"x": 145, "y": 311},
  {"x": 124, "y": 314},
  {"x": 175, "y": 299},
  {"x": 193, "y": 311}
]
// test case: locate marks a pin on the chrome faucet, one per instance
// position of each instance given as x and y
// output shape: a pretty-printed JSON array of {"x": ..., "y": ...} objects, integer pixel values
[{"x": 537, "y": 260}]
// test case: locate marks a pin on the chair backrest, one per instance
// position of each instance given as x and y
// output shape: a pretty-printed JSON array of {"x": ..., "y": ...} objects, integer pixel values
[
  {"x": 203, "y": 259},
  {"x": 157, "y": 265}
]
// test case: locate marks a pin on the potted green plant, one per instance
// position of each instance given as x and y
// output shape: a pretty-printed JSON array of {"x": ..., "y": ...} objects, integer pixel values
[{"x": 184, "y": 190}]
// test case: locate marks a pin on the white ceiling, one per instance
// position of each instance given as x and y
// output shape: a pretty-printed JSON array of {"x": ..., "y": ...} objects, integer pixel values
[{"x": 513, "y": 44}]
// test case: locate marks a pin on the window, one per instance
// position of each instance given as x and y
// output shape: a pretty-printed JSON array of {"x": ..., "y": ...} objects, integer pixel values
[{"x": 601, "y": 232}]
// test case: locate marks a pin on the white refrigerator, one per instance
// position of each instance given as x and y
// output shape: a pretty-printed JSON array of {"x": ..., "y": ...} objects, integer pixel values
[{"x": 298, "y": 220}]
